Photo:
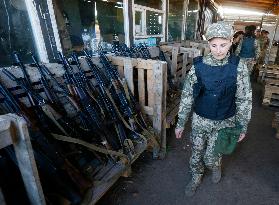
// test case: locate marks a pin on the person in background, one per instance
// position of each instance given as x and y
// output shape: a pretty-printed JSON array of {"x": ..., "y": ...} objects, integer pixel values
[
  {"x": 249, "y": 48},
  {"x": 257, "y": 33},
  {"x": 264, "y": 43},
  {"x": 218, "y": 88},
  {"x": 236, "y": 39}
]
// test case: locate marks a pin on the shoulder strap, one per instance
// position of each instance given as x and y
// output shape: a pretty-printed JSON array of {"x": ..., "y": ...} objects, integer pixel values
[
  {"x": 234, "y": 60},
  {"x": 197, "y": 60}
]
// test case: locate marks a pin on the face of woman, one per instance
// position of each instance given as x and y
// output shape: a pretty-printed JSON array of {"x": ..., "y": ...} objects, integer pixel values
[{"x": 219, "y": 47}]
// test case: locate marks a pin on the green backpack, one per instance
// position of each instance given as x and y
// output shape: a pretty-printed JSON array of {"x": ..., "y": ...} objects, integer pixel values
[{"x": 227, "y": 139}]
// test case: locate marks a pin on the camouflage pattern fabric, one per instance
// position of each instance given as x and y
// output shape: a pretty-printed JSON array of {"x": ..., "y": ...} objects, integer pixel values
[
  {"x": 250, "y": 61},
  {"x": 204, "y": 131},
  {"x": 221, "y": 30},
  {"x": 256, "y": 45}
]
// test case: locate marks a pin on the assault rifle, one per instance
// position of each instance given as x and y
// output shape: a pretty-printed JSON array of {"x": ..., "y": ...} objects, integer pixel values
[
  {"x": 87, "y": 104},
  {"x": 50, "y": 161}
]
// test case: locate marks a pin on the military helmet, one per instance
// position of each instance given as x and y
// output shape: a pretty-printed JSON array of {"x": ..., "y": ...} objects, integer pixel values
[{"x": 219, "y": 30}]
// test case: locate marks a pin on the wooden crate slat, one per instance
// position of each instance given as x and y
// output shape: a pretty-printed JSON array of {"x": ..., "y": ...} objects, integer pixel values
[
  {"x": 128, "y": 74},
  {"x": 150, "y": 87},
  {"x": 159, "y": 107},
  {"x": 141, "y": 87}
]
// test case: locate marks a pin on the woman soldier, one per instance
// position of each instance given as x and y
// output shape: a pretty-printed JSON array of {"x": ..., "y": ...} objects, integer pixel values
[{"x": 218, "y": 88}]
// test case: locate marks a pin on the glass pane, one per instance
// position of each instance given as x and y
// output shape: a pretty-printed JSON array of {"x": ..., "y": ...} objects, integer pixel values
[
  {"x": 175, "y": 19},
  {"x": 139, "y": 23},
  {"x": 85, "y": 23},
  {"x": 191, "y": 20},
  {"x": 15, "y": 32},
  {"x": 154, "y": 22},
  {"x": 156, "y": 4}
]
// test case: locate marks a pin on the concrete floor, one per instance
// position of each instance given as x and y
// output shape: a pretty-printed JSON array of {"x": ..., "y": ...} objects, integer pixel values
[{"x": 250, "y": 175}]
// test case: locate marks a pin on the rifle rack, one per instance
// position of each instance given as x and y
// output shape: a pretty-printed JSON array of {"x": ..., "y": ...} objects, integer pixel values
[{"x": 108, "y": 175}]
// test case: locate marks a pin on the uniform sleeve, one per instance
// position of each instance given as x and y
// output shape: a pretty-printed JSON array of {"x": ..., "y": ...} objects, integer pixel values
[
  {"x": 243, "y": 96},
  {"x": 237, "y": 51},
  {"x": 186, "y": 98},
  {"x": 257, "y": 49}
]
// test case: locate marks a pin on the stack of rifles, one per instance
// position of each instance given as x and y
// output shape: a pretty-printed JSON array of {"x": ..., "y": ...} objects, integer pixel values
[{"x": 71, "y": 150}]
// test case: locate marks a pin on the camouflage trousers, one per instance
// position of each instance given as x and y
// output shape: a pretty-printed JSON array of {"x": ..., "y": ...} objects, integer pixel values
[{"x": 203, "y": 138}]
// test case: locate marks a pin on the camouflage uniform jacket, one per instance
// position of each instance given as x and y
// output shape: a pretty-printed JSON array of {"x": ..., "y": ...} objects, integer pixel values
[
  {"x": 256, "y": 45},
  {"x": 243, "y": 98}
]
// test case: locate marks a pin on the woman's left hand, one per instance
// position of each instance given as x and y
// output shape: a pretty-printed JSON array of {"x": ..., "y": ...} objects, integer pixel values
[{"x": 241, "y": 137}]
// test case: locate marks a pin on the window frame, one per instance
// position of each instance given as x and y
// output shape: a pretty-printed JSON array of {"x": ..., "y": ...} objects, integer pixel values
[{"x": 143, "y": 9}]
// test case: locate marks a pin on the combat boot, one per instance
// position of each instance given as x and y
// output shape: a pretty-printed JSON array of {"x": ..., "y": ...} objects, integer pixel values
[
  {"x": 192, "y": 186},
  {"x": 216, "y": 175}
]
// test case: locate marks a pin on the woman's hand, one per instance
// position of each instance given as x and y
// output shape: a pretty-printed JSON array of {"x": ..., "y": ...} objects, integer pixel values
[
  {"x": 241, "y": 137},
  {"x": 178, "y": 133}
]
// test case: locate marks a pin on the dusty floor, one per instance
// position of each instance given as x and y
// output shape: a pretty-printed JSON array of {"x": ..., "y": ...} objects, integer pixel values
[{"x": 250, "y": 175}]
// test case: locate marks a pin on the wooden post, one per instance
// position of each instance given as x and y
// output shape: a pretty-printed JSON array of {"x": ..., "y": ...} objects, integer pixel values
[
  {"x": 19, "y": 136},
  {"x": 159, "y": 106},
  {"x": 174, "y": 55}
]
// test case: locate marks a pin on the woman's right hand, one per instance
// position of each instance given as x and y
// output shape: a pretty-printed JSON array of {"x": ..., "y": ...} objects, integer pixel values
[{"x": 178, "y": 133}]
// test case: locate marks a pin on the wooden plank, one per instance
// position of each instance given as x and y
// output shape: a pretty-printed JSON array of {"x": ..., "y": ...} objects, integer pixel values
[
  {"x": 144, "y": 64},
  {"x": 99, "y": 189},
  {"x": 179, "y": 66},
  {"x": 25, "y": 158},
  {"x": 150, "y": 88},
  {"x": 141, "y": 87},
  {"x": 174, "y": 62},
  {"x": 121, "y": 71},
  {"x": 128, "y": 74},
  {"x": 159, "y": 107},
  {"x": 148, "y": 110},
  {"x": 179, "y": 58},
  {"x": 114, "y": 173},
  {"x": 184, "y": 66}
]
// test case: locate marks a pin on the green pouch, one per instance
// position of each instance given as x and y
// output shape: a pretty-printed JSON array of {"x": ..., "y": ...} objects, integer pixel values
[{"x": 227, "y": 139}]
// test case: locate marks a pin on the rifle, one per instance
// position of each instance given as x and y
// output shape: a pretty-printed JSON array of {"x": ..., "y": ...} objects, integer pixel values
[
  {"x": 47, "y": 155},
  {"x": 129, "y": 107},
  {"x": 110, "y": 106},
  {"x": 88, "y": 106}
]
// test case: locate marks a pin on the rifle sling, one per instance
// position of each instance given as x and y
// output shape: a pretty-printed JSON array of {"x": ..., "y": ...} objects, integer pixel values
[
  {"x": 122, "y": 118},
  {"x": 49, "y": 112},
  {"x": 88, "y": 145}
]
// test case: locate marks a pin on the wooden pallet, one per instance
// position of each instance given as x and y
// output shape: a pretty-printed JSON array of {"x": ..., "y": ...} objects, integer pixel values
[
  {"x": 271, "y": 94},
  {"x": 181, "y": 60}
]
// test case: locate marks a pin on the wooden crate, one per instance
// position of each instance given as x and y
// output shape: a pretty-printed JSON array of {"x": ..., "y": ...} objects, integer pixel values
[
  {"x": 271, "y": 95},
  {"x": 181, "y": 60},
  {"x": 147, "y": 79}
]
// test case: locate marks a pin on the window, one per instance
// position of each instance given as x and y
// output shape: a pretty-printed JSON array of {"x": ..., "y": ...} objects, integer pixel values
[
  {"x": 154, "y": 23},
  {"x": 149, "y": 23},
  {"x": 15, "y": 32},
  {"x": 175, "y": 19},
  {"x": 139, "y": 20},
  {"x": 99, "y": 20},
  {"x": 191, "y": 19}
]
